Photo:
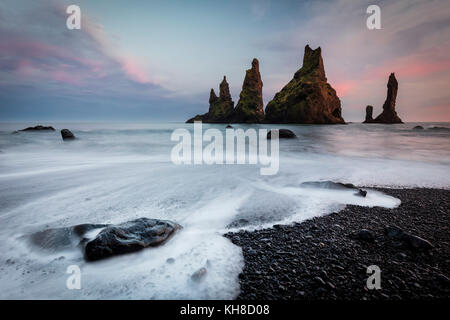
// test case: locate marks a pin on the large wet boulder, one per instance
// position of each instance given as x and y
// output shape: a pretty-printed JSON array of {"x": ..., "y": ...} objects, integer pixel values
[
  {"x": 282, "y": 134},
  {"x": 129, "y": 237},
  {"x": 39, "y": 128},
  {"x": 66, "y": 134}
]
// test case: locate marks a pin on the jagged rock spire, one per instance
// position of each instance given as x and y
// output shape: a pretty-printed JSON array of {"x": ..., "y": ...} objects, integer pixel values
[
  {"x": 224, "y": 88},
  {"x": 250, "y": 107},
  {"x": 312, "y": 64},
  {"x": 212, "y": 96},
  {"x": 389, "y": 115}
]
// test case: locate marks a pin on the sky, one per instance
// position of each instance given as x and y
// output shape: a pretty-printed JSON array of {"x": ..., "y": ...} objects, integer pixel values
[{"x": 151, "y": 60}]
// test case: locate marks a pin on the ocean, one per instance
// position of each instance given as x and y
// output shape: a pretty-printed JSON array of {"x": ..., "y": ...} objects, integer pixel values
[{"x": 116, "y": 172}]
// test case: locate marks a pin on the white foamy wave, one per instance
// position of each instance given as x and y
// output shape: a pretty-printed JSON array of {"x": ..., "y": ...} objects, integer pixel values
[{"x": 116, "y": 173}]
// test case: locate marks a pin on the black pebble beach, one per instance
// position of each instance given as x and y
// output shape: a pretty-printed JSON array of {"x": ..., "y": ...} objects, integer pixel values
[{"x": 321, "y": 258}]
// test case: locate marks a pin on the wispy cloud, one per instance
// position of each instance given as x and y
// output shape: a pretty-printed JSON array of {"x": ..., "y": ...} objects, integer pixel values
[{"x": 42, "y": 51}]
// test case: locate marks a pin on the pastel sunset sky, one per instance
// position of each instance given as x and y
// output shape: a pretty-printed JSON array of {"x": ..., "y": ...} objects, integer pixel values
[{"x": 156, "y": 60}]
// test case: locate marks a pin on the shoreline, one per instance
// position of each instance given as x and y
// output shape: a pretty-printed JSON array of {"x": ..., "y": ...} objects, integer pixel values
[{"x": 322, "y": 259}]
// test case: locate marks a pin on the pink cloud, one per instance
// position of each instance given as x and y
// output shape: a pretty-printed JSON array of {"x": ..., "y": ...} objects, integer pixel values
[
  {"x": 345, "y": 87},
  {"x": 134, "y": 71}
]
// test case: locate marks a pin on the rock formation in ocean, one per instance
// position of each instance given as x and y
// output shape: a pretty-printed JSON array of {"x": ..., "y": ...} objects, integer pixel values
[
  {"x": 308, "y": 97},
  {"x": 66, "y": 134},
  {"x": 250, "y": 108},
  {"x": 39, "y": 128},
  {"x": 220, "y": 108},
  {"x": 389, "y": 115},
  {"x": 369, "y": 114}
]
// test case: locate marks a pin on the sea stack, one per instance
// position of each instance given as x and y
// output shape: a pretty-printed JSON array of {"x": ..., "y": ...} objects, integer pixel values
[
  {"x": 308, "y": 97},
  {"x": 250, "y": 108},
  {"x": 389, "y": 115},
  {"x": 369, "y": 114},
  {"x": 220, "y": 108}
]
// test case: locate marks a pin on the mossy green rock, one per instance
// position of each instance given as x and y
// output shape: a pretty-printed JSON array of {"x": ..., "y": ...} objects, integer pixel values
[
  {"x": 250, "y": 108},
  {"x": 220, "y": 108},
  {"x": 308, "y": 97}
]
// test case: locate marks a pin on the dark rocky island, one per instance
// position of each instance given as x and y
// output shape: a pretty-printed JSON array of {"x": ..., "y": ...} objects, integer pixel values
[
  {"x": 327, "y": 257},
  {"x": 39, "y": 128},
  {"x": 308, "y": 97}
]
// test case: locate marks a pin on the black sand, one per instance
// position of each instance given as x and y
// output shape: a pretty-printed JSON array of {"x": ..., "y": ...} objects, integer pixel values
[{"x": 317, "y": 259}]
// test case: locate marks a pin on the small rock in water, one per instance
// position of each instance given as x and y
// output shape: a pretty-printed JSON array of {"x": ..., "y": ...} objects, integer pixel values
[
  {"x": 334, "y": 186},
  {"x": 229, "y": 127},
  {"x": 361, "y": 193},
  {"x": 282, "y": 134},
  {"x": 66, "y": 134},
  {"x": 199, "y": 274},
  {"x": 439, "y": 129},
  {"x": 418, "y": 128}
]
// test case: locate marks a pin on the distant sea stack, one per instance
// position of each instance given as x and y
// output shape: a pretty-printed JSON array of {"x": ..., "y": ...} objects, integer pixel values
[
  {"x": 220, "y": 108},
  {"x": 250, "y": 108},
  {"x": 308, "y": 97},
  {"x": 39, "y": 128},
  {"x": 369, "y": 114},
  {"x": 389, "y": 115}
]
